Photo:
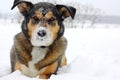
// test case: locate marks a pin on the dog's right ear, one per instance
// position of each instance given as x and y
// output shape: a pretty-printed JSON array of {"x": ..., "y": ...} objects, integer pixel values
[
  {"x": 23, "y": 6},
  {"x": 66, "y": 11}
]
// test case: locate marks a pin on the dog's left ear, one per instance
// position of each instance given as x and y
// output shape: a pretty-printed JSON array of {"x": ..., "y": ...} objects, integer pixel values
[{"x": 66, "y": 11}]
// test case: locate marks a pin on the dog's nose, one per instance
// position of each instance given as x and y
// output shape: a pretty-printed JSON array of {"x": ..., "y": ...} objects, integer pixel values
[{"x": 41, "y": 33}]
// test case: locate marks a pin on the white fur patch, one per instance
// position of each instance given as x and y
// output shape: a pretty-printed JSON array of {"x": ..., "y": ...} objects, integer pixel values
[
  {"x": 37, "y": 55},
  {"x": 36, "y": 40}
]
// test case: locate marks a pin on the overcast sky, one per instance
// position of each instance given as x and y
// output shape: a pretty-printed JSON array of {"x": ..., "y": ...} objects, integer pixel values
[{"x": 109, "y": 7}]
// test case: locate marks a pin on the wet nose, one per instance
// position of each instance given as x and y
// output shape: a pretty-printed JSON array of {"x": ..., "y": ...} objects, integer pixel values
[{"x": 41, "y": 33}]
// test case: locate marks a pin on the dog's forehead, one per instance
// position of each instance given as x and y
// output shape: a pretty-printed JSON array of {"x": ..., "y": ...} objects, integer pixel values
[{"x": 43, "y": 7}]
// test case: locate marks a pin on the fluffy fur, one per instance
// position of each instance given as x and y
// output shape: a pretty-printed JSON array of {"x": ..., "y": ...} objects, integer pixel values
[
  {"x": 39, "y": 50},
  {"x": 33, "y": 61}
]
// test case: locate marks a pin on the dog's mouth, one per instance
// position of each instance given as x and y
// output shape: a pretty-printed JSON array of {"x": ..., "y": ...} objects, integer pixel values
[{"x": 42, "y": 37}]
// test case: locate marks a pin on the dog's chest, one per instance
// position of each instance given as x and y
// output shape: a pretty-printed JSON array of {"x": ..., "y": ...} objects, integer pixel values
[{"x": 37, "y": 55}]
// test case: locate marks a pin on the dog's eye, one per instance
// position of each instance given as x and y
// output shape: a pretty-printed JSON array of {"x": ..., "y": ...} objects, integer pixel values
[
  {"x": 51, "y": 21},
  {"x": 35, "y": 19}
]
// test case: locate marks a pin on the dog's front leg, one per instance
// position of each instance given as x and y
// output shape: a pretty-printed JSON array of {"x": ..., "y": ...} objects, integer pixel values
[{"x": 22, "y": 48}]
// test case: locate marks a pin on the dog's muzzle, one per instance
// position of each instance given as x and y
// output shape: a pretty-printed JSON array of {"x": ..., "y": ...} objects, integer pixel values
[{"x": 42, "y": 37}]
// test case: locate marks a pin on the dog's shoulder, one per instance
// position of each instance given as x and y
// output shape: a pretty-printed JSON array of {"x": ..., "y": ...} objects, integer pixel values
[
  {"x": 60, "y": 45},
  {"x": 21, "y": 42},
  {"x": 62, "y": 41},
  {"x": 20, "y": 37}
]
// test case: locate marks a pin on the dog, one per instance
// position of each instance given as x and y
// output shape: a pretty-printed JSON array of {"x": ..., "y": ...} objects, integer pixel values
[{"x": 39, "y": 49}]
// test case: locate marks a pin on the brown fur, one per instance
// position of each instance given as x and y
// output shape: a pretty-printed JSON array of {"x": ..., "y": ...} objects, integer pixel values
[
  {"x": 50, "y": 69},
  {"x": 31, "y": 28},
  {"x": 38, "y": 14},
  {"x": 65, "y": 11},
  {"x": 20, "y": 54},
  {"x": 23, "y": 7}
]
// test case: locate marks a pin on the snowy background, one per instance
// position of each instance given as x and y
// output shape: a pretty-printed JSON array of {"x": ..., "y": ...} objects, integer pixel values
[{"x": 93, "y": 53}]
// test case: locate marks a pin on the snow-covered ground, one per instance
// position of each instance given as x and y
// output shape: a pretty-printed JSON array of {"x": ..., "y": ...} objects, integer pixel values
[{"x": 92, "y": 54}]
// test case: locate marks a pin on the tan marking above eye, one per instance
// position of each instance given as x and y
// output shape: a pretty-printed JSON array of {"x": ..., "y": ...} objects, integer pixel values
[
  {"x": 49, "y": 15},
  {"x": 38, "y": 14}
]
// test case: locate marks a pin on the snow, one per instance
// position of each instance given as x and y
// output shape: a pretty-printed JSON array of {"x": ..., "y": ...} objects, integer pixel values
[{"x": 92, "y": 54}]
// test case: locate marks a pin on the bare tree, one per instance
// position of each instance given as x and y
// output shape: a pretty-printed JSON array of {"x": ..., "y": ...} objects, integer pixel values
[{"x": 89, "y": 14}]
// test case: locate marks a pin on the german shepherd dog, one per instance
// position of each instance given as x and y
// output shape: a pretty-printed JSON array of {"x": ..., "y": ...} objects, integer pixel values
[{"x": 39, "y": 49}]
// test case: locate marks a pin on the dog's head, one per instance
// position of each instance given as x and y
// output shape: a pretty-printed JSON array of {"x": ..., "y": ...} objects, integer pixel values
[{"x": 42, "y": 23}]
